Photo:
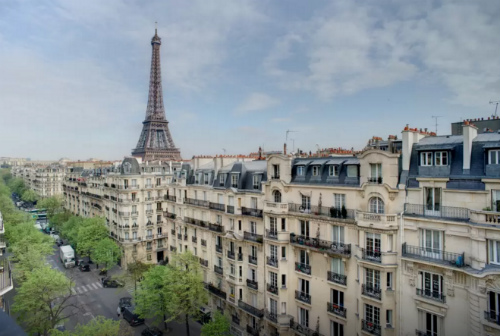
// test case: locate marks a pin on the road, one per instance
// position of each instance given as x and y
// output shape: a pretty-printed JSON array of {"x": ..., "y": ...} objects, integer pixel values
[{"x": 95, "y": 300}]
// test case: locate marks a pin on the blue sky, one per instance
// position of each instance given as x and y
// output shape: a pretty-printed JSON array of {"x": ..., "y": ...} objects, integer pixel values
[{"x": 237, "y": 74}]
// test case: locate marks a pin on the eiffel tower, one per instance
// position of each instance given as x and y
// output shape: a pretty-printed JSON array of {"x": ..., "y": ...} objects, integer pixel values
[{"x": 155, "y": 142}]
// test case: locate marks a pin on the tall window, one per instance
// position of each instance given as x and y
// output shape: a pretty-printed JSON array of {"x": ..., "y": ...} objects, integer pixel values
[
  {"x": 339, "y": 200},
  {"x": 273, "y": 307},
  {"x": 221, "y": 179},
  {"x": 273, "y": 251},
  {"x": 304, "y": 317},
  {"x": 376, "y": 205},
  {"x": 337, "y": 297},
  {"x": 372, "y": 314},
  {"x": 256, "y": 181},
  {"x": 441, "y": 158},
  {"x": 276, "y": 171},
  {"x": 432, "y": 242},
  {"x": 337, "y": 266},
  {"x": 273, "y": 279},
  {"x": 372, "y": 278},
  {"x": 304, "y": 286},
  {"x": 234, "y": 181},
  {"x": 306, "y": 203},
  {"x": 277, "y": 196},
  {"x": 352, "y": 171},
  {"x": 315, "y": 170},
  {"x": 253, "y": 202},
  {"x": 205, "y": 178},
  {"x": 431, "y": 284},
  {"x": 495, "y": 200},
  {"x": 494, "y": 253},
  {"x": 372, "y": 242},
  {"x": 337, "y": 234},
  {"x": 333, "y": 170},
  {"x": 432, "y": 199},
  {"x": 304, "y": 228},
  {"x": 336, "y": 329},
  {"x": 375, "y": 170},
  {"x": 426, "y": 159},
  {"x": 304, "y": 257},
  {"x": 273, "y": 226},
  {"x": 253, "y": 227},
  {"x": 494, "y": 305},
  {"x": 494, "y": 156},
  {"x": 431, "y": 324},
  {"x": 300, "y": 170}
]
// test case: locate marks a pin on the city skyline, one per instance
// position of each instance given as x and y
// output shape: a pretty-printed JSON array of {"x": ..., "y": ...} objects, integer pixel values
[{"x": 77, "y": 81}]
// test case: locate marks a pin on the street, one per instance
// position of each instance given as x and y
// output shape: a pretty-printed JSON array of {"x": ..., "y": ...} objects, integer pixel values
[{"x": 95, "y": 300}]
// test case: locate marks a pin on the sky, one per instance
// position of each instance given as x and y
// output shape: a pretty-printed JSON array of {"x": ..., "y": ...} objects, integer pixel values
[{"x": 74, "y": 75}]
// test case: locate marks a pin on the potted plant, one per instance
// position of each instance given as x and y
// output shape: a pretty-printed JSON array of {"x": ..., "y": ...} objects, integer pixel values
[
  {"x": 344, "y": 212},
  {"x": 332, "y": 212},
  {"x": 379, "y": 180}
]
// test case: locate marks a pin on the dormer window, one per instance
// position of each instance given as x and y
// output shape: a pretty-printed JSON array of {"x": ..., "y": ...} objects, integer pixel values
[
  {"x": 426, "y": 159},
  {"x": 300, "y": 170},
  {"x": 441, "y": 158},
  {"x": 256, "y": 182},
  {"x": 205, "y": 177},
  {"x": 333, "y": 171},
  {"x": 222, "y": 177},
  {"x": 315, "y": 171},
  {"x": 352, "y": 171},
  {"x": 494, "y": 156},
  {"x": 234, "y": 181}
]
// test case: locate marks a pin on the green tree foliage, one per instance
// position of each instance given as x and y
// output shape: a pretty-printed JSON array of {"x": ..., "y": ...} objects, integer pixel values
[
  {"x": 44, "y": 300},
  {"x": 106, "y": 252},
  {"x": 29, "y": 195},
  {"x": 53, "y": 204},
  {"x": 59, "y": 219},
  {"x": 136, "y": 270},
  {"x": 16, "y": 185},
  {"x": 219, "y": 326},
  {"x": 92, "y": 231},
  {"x": 70, "y": 229},
  {"x": 185, "y": 287},
  {"x": 153, "y": 296},
  {"x": 99, "y": 326}
]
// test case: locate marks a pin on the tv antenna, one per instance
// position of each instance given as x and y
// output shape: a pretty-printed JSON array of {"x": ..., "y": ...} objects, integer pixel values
[
  {"x": 293, "y": 146},
  {"x": 436, "y": 122},
  {"x": 496, "y": 106},
  {"x": 289, "y": 131}
]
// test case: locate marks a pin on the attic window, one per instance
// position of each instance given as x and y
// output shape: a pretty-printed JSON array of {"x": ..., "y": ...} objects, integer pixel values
[
  {"x": 333, "y": 170},
  {"x": 256, "y": 181},
  {"x": 352, "y": 171},
  {"x": 205, "y": 178},
  {"x": 315, "y": 171},
  {"x": 221, "y": 179},
  {"x": 234, "y": 181},
  {"x": 300, "y": 170},
  {"x": 441, "y": 158},
  {"x": 494, "y": 156}
]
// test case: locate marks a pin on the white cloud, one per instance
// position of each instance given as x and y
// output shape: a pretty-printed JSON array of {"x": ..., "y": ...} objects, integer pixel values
[{"x": 256, "y": 101}]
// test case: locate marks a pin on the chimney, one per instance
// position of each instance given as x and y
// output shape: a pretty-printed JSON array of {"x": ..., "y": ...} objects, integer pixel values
[
  {"x": 410, "y": 137},
  {"x": 284, "y": 149},
  {"x": 469, "y": 132}
]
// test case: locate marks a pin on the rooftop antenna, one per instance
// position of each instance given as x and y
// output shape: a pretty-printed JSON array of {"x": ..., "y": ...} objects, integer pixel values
[
  {"x": 156, "y": 28},
  {"x": 289, "y": 131},
  {"x": 436, "y": 122},
  {"x": 293, "y": 146},
  {"x": 496, "y": 106}
]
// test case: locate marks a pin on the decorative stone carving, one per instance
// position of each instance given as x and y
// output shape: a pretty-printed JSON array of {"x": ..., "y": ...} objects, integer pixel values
[
  {"x": 412, "y": 281},
  {"x": 392, "y": 196},
  {"x": 362, "y": 193},
  {"x": 450, "y": 292}
]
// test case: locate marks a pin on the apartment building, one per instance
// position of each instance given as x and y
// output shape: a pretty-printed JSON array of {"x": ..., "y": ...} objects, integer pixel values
[
  {"x": 6, "y": 283},
  {"x": 450, "y": 263},
  {"x": 45, "y": 180}
]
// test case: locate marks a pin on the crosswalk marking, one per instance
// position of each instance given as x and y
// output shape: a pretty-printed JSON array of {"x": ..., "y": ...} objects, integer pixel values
[
  {"x": 94, "y": 285},
  {"x": 83, "y": 289},
  {"x": 99, "y": 284},
  {"x": 86, "y": 288}
]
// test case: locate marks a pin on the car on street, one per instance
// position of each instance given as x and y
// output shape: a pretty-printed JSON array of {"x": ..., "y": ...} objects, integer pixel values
[
  {"x": 111, "y": 283},
  {"x": 125, "y": 302},
  {"x": 152, "y": 331},
  {"x": 84, "y": 267},
  {"x": 132, "y": 318},
  {"x": 59, "y": 242}
]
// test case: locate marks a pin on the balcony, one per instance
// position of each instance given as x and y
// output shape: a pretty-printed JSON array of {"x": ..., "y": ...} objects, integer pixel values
[
  {"x": 434, "y": 256},
  {"x": 271, "y": 316},
  {"x": 371, "y": 291},
  {"x": 169, "y": 198},
  {"x": 444, "y": 212},
  {"x": 169, "y": 215},
  {"x": 149, "y": 211},
  {"x": 252, "y": 331},
  {"x": 251, "y": 212},
  {"x": 272, "y": 289},
  {"x": 230, "y": 209},
  {"x": 336, "y": 278},
  {"x": 253, "y": 237},
  {"x": 303, "y": 330},
  {"x": 252, "y": 284},
  {"x": 218, "y": 248},
  {"x": 485, "y": 217},
  {"x": 371, "y": 327},
  {"x": 179, "y": 236},
  {"x": 185, "y": 237},
  {"x": 230, "y": 254},
  {"x": 6, "y": 283},
  {"x": 322, "y": 246},
  {"x": 371, "y": 217},
  {"x": 194, "y": 239},
  {"x": 371, "y": 255},
  {"x": 235, "y": 319},
  {"x": 271, "y": 234},
  {"x": 304, "y": 297},
  {"x": 251, "y": 309},
  {"x": 150, "y": 237},
  {"x": 348, "y": 215},
  {"x": 218, "y": 270},
  {"x": 217, "y": 206},
  {"x": 196, "y": 202},
  {"x": 240, "y": 256},
  {"x": 252, "y": 260},
  {"x": 278, "y": 208},
  {"x": 135, "y": 213},
  {"x": 203, "y": 262},
  {"x": 303, "y": 268},
  {"x": 204, "y": 242},
  {"x": 216, "y": 291},
  {"x": 432, "y": 295},
  {"x": 216, "y": 227},
  {"x": 272, "y": 261},
  {"x": 492, "y": 317},
  {"x": 336, "y": 309},
  {"x": 172, "y": 231}
]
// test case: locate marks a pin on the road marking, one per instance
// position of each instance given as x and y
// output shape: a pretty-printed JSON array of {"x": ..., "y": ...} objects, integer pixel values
[
  {"x": 78, "y": 290},
  {"x": 73, "y": 291},
  {"x": 94, "y": 285},
  {"x": 99, "y": 284},
  {"x": 83, "y": 289}
]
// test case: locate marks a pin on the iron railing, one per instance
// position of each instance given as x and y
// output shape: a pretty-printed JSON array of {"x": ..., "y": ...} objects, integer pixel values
[
  {"x": 218, "y": 269},
  {"x": 240, "y": 256},
  {"x": 230, "y": 255},
  {"x": 371, "y": 291},
  {"x": 218, "y": 248},
  {"x": 322, "y": 246},
  {"x": 433, "y": 255},
  {"x": 203, "y": 262},
  {"x": 336, "y": 309},
  {"x": 371, "y": 327},
  {"x": 303, "y": 268},
  {"x": 251, "y": 212},
  {"x": 252, "y": 284},
  {"x": 271, "y": 316},
  {"x": 302, "y": 329},
  {"x": 169, "y": 198},
  {"x": 217, "y": 291},
  {"x": 272, "y": 289},
  {"x": 492, "y": 316},
  {"x": 253, "y": 237},
  {"x": 216, "y": 227},
  {"x": 251, "y": 309},
  {"x": 271, "y": 234},
  {"x": 204, "y": 242},
  {"x": 197, "y": 202},
  {"x": 252, "y": 331},
  {"x": 337, "y": 278},
  {"x": 322, "y": 211},
  {"x": 462, "y": 214},
  {"x": 252, "y": 260},
  {"x": 216, "y": 206},
  {"x": 272, "y": 261},
  {"x": 230, "y": 209},
  {"x": 194, "y": 239},
  {"x": 430, "y": 294},
  {"x": 235, "y": 319},
  {"x": 304, "y": 297},
  {"x": 371, "y": 255}
]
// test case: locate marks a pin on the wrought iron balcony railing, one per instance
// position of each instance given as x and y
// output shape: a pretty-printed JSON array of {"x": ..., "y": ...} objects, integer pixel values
[
  {"x": 216, "y": 206},
  {"x": 304, "y": 297},
  {"x": 252, "y": 331},
  {"x": 216, "y": 291},
  {"x": 252, "y": 260},
  {"x": 230, "y": 209},
  {"x": 371, "y": 291},
  {"x": 169, "y": 198},
  {"x": 433, "y": 255},
  {"x": 252, "y": 284},
  {"x": 439, "y": 211},
  {"x": 203, "y": 262},
  {"x": 272, "y": 289},
  {"x": 218, "y": 248},
  {"x": 230, "y": 254},
  {"x": 240, "y": 256},
  {"x": 324, "y": 211},
  {"x": 303, "y": 329},
  {"x": 272, "y": 234},
  {"x": 271, "y": 316},
  {"x": 492, "y": 316},
  {"x": 235, "y": 319},
  {"x": 253, "y": 237},
  {"x": 272, "y": 261},
  {"x": 433, "y": 295},
  {"x": 371, "y": 255},
  {"x": 194, "y": 239},
  {"x": 216, "y": 227},
  {"x": 337, "y": 278},
  {"x": 336, "y": 309},
  {"x": 303, "y": 268},
  {"x": 218, "y": 269},
  {"x": 322, "y": 246},
  {"x": 371, "y": 327},
  {"x": 251, "y": 309},
  {"x": 197, "y": 202},
  {"x": 251, "y": 212}
]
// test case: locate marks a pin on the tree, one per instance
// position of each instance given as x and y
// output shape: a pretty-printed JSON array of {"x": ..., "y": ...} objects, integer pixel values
[
  {"x": 92, "y": 231},
  {"x": 29, "y": 195},
  {"x": 107, "y": 252},
  {"x": 152, "y": 298},
  {"x": 70, "y": 229},
  {"x": 136, "y": 270},
  {"x": 219, "y": 326},
  {"x": 16, "y": 185},
  {"x": 99, "y": 326},
  {"x": 44, "y": 300},
  {"x": 59, "y": 219},
  {"x": 53, "y": 204},
  {"x": 185, "y": 287}
]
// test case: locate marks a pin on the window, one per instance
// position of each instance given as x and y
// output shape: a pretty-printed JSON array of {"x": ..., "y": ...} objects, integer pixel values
[
  {"x": 239, "y": 225},
  {"x": 283, "y": 280},
  {"x": 315, "y": 170},
  {"x": 494, "y": 156},
  {"x": 306, "y": 204},
  {"x": 253, "y": 251},
  {"x": 300, "y": 170},
  {"x": 333, "y": 170},
  {"x": 219, "y": 219},
  {"x": 431, "y": 284},
  {"x": 283, "y": 252},
  {"x": 373, "y": 243},
  {"x": 372, "y": 278},
  {"x": 149, "y": 257},
  {"x": 240, "y": 272},
  {"x": 372, "y": 314},
  {"x": 255, "y": 181},
  {"x": 389, "y": 280},
  {"x": 336, "y": 329},
  {"x": 441, "y": 158},
  {"x": 304, "y": 317},
  {"x": 426, "y": 159},
  {"x": 337, "y": 266},
  {"x": 283, "y": 224},
  {"x": 337, "y": 297},
  {"x": 195, "y": 251},
  {"x": 388, "y": 318},
  {"x": 273, "y": 279},
  {"x": 338, "y": 200},
  {"x": 431, "y": 324},
  {"x": 273, "y": 307},
  {"x": 352, "y": 171},
  {"x": 273, "y": 249},
  {"x": 253, "y": 202},
  {"x": 493, "y": 305},
  {"x": 205, "y": 178},
  {"x": 234, "y": 181},
  {"x": 273, "y": 226},
  {"x": 432, "y": 199},
  {"x": 253, "y": 227},
  {"x": 276, "y": 171},
  {"x": 375, "y": 170},
  {"x": 494, "y": 252},
  {"x": 337, "y": 234},
  {"x": 304, "y": 257},
  {"x": 304, "y": 286},
  {"x": 304, "y": 228},
  {"x": 376, "y": 205},
  {"x": 231, "y": 268},
  {"x": 221, "y": 179},
  {"x": 431, "y": 241},
  {"x": 277, "y": 196}
]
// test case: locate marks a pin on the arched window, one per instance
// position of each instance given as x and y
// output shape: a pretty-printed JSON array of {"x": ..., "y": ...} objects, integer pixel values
[
  {"x": 376, "y": 205},
  {"x": 277, "y": 196}
]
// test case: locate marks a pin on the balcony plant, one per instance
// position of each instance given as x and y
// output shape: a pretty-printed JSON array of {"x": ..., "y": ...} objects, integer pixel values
[
  {"x": 344, "y": 212},
  {"x": 332, "y": 212}
]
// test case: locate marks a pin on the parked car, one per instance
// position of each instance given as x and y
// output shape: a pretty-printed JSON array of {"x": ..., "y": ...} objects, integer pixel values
[
  {"x": 59, "y": 242},
  {"x": 132, "y": 318},
  {"x": 125, "y": 302},
  {"x": 111, "y": 283},
  {"x": 84, "y": 267},
  {"x": 152, "y": 331}
]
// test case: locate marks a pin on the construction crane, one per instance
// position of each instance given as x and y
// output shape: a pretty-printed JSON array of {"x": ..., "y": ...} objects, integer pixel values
[
  {"x": 496, "y": 106},
  {"x": 436, "y": 122}
]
